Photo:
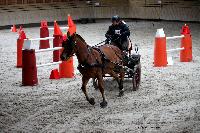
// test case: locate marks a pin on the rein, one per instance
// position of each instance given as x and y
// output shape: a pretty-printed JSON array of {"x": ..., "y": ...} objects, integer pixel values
[
  {"x": 130, "y": 47},
  {"x": 99, "y": 43},
  {"x": 105, "y": 41}
]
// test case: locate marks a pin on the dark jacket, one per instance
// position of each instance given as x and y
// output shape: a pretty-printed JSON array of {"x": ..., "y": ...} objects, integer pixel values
[{"x": 118, "y": 33}]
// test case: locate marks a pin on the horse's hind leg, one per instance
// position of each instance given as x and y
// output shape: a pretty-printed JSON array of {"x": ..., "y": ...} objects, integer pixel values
[
  {"x": 121, "y": 87},
  {"x": 119, "y": 81},
  {"x": 95, "y": 84},
  {"x": 103, "y": 104},
  {"x": 84, "y": 83}
]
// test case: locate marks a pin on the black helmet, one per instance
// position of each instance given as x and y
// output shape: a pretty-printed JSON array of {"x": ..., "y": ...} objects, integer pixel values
[{"x": 115, "y": 18}]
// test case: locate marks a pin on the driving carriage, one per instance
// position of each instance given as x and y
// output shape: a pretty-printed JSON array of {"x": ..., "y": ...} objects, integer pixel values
[{"x": 96, "y": 62}]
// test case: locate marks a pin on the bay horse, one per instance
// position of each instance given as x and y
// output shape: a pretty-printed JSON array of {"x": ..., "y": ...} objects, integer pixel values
[{"x": 94, "y": 62}]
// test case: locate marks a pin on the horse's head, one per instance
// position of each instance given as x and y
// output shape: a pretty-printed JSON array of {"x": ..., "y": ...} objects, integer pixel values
[{"x": 69, "y": 45}]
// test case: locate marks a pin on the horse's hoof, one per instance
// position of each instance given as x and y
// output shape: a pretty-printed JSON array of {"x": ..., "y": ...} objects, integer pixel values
[
  {"x": 121, "y": 93},
  {"x": 91, "y": 101},
  {"x": 103, "y": 104}
]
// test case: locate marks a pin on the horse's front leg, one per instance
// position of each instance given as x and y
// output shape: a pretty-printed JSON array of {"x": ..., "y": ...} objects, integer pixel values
[
  {"x": 104, "y": 103},
  {"x": 84, "y": 83}
]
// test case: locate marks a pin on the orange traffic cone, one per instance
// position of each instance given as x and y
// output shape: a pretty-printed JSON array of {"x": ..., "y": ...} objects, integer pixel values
[
  {"x": 185, "y": 29},
  {"x": 66, "y": 69},
  {"x": 57, "y": 30},
  {"x": 72, "y": 26},
  {"x": 54, "y": 74},
  {"x": 160, "y": 53},
  {"x": 13, "y": 28},
  {"x": 186, "y": 42},
  {"x": 22, "y": 35}
]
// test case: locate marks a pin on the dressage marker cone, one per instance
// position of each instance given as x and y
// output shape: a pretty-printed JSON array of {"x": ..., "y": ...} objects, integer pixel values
[
  {"x": 186, "y": 42},
  {"x": 54, "y": 74},
  {"x": 44, "y": 32},
  {"x": 29, "y": 69},
  {"x": 66, "y": 69},
  {"x": 13, "y": 28},
  {"x": 160, "y": 54},
  {"x": 20, "y": 42}
]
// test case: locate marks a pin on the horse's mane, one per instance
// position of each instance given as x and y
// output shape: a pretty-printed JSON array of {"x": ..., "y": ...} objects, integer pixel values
[{"x": 82, "y": 40}]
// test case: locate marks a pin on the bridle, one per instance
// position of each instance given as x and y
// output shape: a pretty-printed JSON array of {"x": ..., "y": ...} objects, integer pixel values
[{"x": 73, "y": 46}]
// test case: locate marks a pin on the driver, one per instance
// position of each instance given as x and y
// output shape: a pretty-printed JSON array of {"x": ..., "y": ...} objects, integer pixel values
[{"x": 118, "y": 33}]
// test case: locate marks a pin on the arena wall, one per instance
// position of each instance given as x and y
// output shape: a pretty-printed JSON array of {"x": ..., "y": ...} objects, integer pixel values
[{"x": 33, "y": 11}]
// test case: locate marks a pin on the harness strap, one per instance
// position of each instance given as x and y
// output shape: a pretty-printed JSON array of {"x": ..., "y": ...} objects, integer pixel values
[
  {"x": 101, "y": 53},
  {"x": 97, "y": 64},
  {"x": 115, "y": 52},
  {"x": 85, "y": 62},
  {"x": 104, "y": 58}
]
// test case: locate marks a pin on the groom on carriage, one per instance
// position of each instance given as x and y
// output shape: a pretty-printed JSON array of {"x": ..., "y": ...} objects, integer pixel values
[{"x": 118, "y": 34}]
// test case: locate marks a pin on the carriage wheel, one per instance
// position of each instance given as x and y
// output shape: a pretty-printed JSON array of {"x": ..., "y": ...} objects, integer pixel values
[
  {"x": 95, "y": 83},
  {"x": 137, "y": 78}
]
